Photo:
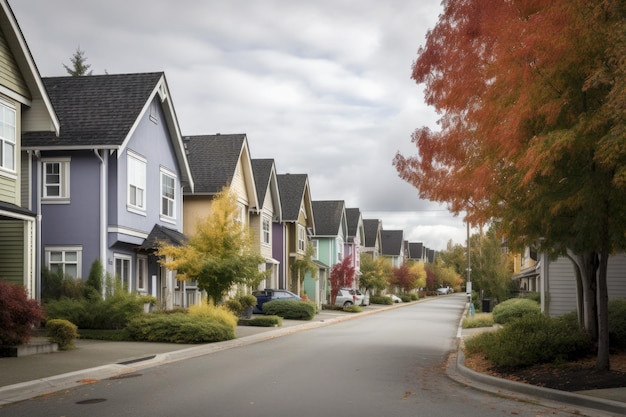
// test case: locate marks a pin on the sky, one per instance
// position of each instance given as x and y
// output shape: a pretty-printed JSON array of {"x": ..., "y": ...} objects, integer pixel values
[{"x": 321, "y": 86}]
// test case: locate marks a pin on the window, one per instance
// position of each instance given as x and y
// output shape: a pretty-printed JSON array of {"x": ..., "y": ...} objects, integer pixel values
[
  {"x": 8, "y": 128},
  {"x": 136, "y": 182},
  {"x": 301, "y": 238},
  {"x": 122, "y": 270},
  {"x": 168, "y": 195},
  {"x": 267, "y": 231},
  {"x": 142, "y": 273},
  {"x": 241, "y": 215},
  {"x": 316, "y": 247},
  {"x": 65, "y": 259},
  {"x": 55, "y": 181}
]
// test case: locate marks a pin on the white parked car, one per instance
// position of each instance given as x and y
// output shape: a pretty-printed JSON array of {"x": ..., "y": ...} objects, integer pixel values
[
  {"x": 394, "y": 298},
  {"x": 348, "y": 296},
  {"x": 444, "y": 290}
]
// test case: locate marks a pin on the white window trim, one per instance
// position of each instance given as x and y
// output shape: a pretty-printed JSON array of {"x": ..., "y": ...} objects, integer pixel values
[
  {"x": 128, "y": 258},
  {"x": 170, "y": 219},
  {"x": 131, "y": 207},
  {"x": 13, "y": 141},
  {"x": 64, "y": 173},
  {"x": 64, "y": 249},
  {"x": 301, "y": 232},
  {"x": 141, "y": 259},
  {"x": 266, "y": 220}
]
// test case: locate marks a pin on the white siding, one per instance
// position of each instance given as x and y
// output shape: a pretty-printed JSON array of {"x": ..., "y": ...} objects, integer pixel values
[{"x": 561, "y": 287}]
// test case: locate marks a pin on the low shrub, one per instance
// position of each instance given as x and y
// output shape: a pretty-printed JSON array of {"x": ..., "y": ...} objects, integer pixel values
[
  {"x": 209, "y": 311},
  {"x": 406, "y": 298},
  {"x": 514, "y": 308},
  {"x": 529, "y": 340},
  {"x": 234, "y": 306},
  {"x": 18, "y": 314},
  {"x": 479, "y": 320},
  {"x": 290, "y": 309},
  {"x": 535, "y": 296},
  {"x": 617, "y": 323},
  {"x": 352, "y": 309},
  {"x": 62, "y": 332},
  {"x": 114, "y": 335},
  {"x": 332, "y": 307},
  {"x": 179, "y": 328},
  {"x": 262, "y": 321},
  {"x": 381, "y": 299},
  {"x": 414, "y": 296}
]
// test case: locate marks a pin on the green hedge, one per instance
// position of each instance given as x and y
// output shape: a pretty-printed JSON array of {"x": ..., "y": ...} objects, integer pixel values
[
  {"x": 290, "y": 309},
  {"x": 514, "y": 308},
  {"x": 178, "y": 328},
  {"x": 262, "y": 321},
  {"x": 352, "y": 309},
  {"x": 381, "y": 299},
  {"x": 532, "y": 339},
  {"x": 62, "y": 332}
]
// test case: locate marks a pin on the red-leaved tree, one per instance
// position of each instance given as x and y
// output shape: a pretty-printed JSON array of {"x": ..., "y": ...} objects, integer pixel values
[
  {"x": 18, "y": 314},
  {"x": 341, "y": 276},
  {"x": 404, "y": 278}
]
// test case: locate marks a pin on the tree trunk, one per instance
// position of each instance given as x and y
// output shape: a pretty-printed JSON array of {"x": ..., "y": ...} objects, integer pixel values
[
  {"x": 603, "y": 359},
  {"x": 586, "y": 266}
]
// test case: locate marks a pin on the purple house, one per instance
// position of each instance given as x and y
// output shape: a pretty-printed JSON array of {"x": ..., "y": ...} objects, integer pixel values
[{"x": 110, "y": 185}]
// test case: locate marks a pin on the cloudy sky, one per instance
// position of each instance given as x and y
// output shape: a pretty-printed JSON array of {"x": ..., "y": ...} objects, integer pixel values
[{"x": 321, "y": 86}]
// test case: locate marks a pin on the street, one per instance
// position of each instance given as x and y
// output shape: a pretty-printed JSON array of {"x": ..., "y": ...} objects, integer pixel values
[{"x": 386, "y": 364}]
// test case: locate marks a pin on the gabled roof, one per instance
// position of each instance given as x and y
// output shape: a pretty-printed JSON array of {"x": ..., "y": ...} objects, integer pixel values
[
  {"x": 416, "y": 250},
  {"x": 352, "y": 218},
  {"x": 26, "y": 65},
  {"x": 265, "y": 178},
  {"x": 103, "y": 111},
  {"x": 96, "y": 111},
  {"x": 213, "y": 160},
  {"x": 329, "y": 217},
  {"x": 292, "y": 188},
  {"x": 371, "y": 227},
  {"x": 391, "y": 242},
  {"x": 160, "y": 234}
]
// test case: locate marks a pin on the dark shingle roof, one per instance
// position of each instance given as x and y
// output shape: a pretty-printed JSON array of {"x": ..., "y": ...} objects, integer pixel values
[
  {"x": 291, "y": 189},
  {"x": 391, "y": 242},
  {"x": 213, "y": 160},
  {"x": 370, "y": 229},
  {"x": 95, "y": 110},
  {"x": 416, "y": 250},
  {"x": 352, "y": 218},
  {"x": 328, "y": 216},
  {"x": 262, "y": 170},
  {"x": 163, "y": 234}
]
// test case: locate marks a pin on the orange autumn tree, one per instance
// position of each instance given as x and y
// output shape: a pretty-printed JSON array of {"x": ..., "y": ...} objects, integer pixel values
[{"x": 532, "y": 130}]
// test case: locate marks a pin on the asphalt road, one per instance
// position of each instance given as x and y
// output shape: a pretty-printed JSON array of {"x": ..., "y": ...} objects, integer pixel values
[{"x": 386, "y": 364}]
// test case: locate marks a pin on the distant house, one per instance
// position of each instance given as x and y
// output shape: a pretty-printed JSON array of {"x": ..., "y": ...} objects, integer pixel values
[
  {"x": 269, "y": 212},
  {"x": 111, "y": 178},
  {"x": 392, "y": 246},
  {"x": 24, "y": 107},
  {"x": 371, "y": 231},
  {"x": 356, "y": 238},
  {"x": 331, "y": 233},
  {"x": 292, "y": 236}
]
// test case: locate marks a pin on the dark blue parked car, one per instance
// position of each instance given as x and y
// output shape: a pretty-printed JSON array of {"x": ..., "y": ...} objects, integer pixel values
[{"x": 269, "y": 294}]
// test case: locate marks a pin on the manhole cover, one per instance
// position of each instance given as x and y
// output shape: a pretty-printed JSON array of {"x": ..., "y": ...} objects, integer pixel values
[{"x": 91, "y": 401}]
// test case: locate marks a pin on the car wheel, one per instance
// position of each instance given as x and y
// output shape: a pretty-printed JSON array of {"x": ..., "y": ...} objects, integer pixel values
[{"x": 347, "y": 304}]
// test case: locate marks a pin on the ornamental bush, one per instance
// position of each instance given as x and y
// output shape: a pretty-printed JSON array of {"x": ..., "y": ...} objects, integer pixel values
[
  {"x": 263, "y": 321},
  {"x": 18, "y": 314},
  {"x": 352, "y": 309},
  {"x": 62, "y": 332},
  {"x": 381, "y": 299},
  {"x": 532, "y": 339},
  {"x": 514, "y": 308},
  {"x": 178, "y": 328},
  {"x": 290, "y": 309},
  {"x": 617, "y": 323}
]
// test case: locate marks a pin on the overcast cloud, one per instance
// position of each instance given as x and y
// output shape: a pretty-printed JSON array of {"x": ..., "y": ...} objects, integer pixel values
[{"x": 321, "y": 86}]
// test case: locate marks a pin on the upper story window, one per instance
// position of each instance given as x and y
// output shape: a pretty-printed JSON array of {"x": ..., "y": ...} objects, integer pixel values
[
  {"x": 316, "y": 248},
  {"x": 136, "y": 182},
  {"x": 8, "y": 132},
  {"x": 301, "y": 238},
  {"x": 267, "y": 231},
  {"x": 168, "y": 194},
  {"x": 56, "y": 180}
]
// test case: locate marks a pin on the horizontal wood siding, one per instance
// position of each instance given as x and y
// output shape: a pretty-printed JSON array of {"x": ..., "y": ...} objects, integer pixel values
[
  {"x": 8, "y": 190},
  {"x": 561, "y": 287},
  {"x": 12, "y": 250},
  {"x": 238, "y": 186},
  {"x": 616, "y": 276},
  {"x": 10, "y": 75},
  {"x": 25, "y": 183}
]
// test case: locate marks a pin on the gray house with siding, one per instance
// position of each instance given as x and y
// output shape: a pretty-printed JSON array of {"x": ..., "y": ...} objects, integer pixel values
[
  {"x": 113, "y": 176},
  {"x": 24, "y": 107}
]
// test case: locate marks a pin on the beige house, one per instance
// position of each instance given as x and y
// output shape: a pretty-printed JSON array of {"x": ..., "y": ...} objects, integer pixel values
[{"x": 24, "y": 107}]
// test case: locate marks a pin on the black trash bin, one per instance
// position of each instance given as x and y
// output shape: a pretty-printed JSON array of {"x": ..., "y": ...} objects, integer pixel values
[{"x": 486, "y": 305}]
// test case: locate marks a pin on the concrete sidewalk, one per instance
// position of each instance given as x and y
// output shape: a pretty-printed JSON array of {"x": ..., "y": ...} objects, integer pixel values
[{"x": 93, "y": 360}]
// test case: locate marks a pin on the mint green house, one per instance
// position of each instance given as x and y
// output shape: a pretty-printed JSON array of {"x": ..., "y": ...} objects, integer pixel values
[{"x": 331, "y": 233}]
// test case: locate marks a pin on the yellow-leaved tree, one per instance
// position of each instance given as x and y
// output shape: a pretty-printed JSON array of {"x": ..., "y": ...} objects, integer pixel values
[{"x": 219, "y": 254}]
